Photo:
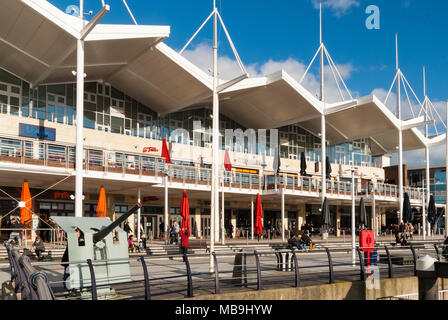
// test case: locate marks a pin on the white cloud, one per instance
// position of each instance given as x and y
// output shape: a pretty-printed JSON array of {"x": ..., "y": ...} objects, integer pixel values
[
  {"x": 338, "y": 7},
  {"x": 201, "y": 55}
]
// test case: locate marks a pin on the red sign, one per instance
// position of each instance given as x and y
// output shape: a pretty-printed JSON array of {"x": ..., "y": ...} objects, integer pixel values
[
  {"x": 367, "y": 240},
  {"x": 61, "y": 195},
  {"x": 150, "y": 149}
]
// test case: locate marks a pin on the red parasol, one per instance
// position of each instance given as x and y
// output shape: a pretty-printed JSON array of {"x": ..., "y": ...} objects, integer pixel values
[
  {"x": 185, "y": 212},
  {"x": 101, "y": 206},
  {"x": 227, "y": 163},
  {"x": 165, "y": 152},
  {"x": 25, "y": 211},
  {"x": 258, "y": 221}
]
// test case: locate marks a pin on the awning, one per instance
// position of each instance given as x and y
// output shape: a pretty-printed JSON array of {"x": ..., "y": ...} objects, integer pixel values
[{"x": 269, "y": 102}]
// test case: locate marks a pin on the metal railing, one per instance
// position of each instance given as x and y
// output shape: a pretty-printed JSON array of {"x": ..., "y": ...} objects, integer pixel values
[
  {"x": 55, "y": 237},
  {"x": 28, "y": 282},
  {"x": 49, "y": 154},
  {"x": 178, "y": 276}
]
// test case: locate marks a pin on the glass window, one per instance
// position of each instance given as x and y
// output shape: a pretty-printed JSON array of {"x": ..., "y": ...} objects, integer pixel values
[
  {"x": 116, "y": 125},
  {"x": 69, "y": 112},
  {"x": 45, "y": 206},
  {"x": 89, "y": 120}
]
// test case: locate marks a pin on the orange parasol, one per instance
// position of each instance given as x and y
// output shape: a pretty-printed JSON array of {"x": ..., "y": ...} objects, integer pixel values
[
  {"x": 25, "y": 211},
  {"x": 101, "y": 206}
]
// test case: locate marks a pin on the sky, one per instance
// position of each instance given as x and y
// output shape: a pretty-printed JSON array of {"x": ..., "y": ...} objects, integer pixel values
[{"x": 284, "y": 34}]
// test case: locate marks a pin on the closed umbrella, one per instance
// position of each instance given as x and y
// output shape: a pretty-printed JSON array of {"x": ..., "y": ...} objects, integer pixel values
[
  {"x": 432, "y": 213},
  {"x": 362, "y": 215},
  {"x": 259, "y": 212},
  {"x": 26, "y": 205},
  {"x": 303, "y": 164},
  {"x": 328, "y": 168},
  {"x": 325, "y": 214},
  {"x": 407, "y": 210},
  {"x": 165, "y": 152},
  {"x": 185, "y": 212},
  {"x": 101, "y": 206},
  {"x": 227, "y": 163}
]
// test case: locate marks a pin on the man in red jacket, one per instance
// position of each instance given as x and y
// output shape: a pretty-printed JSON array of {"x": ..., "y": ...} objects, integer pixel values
[{"x": 184, "y": 236}]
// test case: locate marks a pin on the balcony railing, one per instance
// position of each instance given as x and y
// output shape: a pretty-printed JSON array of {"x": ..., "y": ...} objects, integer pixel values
[{"x": 48, "y": 154}]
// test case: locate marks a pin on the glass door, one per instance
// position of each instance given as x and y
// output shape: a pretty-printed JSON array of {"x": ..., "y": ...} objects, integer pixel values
[{"x": 205, "y": 227}]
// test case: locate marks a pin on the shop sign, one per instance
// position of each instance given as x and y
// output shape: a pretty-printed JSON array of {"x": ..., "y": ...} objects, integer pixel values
[
  {"x": 61, "y": 195},
  {"x": 150, "y": 149},
  {"x": 38, "y": 132},
  {"x": 150, "y": 198}
]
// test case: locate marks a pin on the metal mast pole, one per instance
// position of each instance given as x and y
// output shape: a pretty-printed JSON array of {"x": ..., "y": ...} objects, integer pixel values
[
  {"x": 214, "y": 196},
  {"x": 252, "y": 219},
  {"x": 322, "y": 98},
  {"x": 79, "y": 119},
  {"x": 400, "y": 137},
  {"x": 353, "y": 217},
  {"x": 446, "y": 165},
  {"x": 428, "y": 178},
  {"x": 139, "y": 211},
  {"x": 166, "y": 226},
  {"x": 222, "y": 213}
]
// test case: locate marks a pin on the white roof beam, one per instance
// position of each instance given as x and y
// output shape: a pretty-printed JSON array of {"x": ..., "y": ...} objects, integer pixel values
[
  {"x": 24, "y": 52},
  {"x": 439, "y": 140},
  {"x": 413, "y": 123},
  {"x": 341, "y": 107},
  {"x": 95, "y": 20}
]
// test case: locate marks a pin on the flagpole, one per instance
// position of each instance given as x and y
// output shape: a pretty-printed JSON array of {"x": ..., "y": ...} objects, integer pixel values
[
  {"x": 215, "y": 146},
  {"x": 222, "y": 212}
]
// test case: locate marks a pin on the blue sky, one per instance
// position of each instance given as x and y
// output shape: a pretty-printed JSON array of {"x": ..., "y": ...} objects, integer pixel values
[
  {"x": 282, "y": 29},
  {"x": 284, "y": 34}
]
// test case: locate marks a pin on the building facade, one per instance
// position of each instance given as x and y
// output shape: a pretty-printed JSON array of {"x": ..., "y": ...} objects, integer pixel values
[{"x": 130, "y": 107}]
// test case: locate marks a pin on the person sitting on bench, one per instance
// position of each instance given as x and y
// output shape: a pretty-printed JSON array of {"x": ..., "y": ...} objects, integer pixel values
[
  {"x": 306, "y": 239},
  {"x": 296, "y": 242},
  {"x": 38, "y": 247}
]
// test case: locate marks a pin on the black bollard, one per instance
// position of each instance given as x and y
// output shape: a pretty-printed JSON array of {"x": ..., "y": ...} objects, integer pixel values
[{"x": 428, "y": 284}]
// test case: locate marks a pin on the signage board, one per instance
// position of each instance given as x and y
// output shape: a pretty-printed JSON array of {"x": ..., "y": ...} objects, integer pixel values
[{"x": 37, "y": 132}]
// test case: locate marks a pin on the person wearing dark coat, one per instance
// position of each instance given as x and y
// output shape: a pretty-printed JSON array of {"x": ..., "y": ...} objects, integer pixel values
[{"x": 38, "y": 247}]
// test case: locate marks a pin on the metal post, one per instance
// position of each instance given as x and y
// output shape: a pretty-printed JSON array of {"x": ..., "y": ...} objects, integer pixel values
[
  {"x": 223, "y": 230},
  {"x": 79, "y": 121},
  {"x": 252, "y": 219},
  {"x": 283, "y": 214},
  {"x": 217, "y": 287},
  {"x": 389, "y": 263},
  {"x": 92, "y": 279},
  {"x": 138, "y": 215},
  {"x": 353, "y": 220},
  {"x": 330, "y": 267},
  {"x": 146, "y": 276},
  {"x": 424, "y": 215},
  {"x": 446, "y": 165},
  {"x": 214, "y": 186},
  {"x": 374, "y": 214},
  {"x": 428, "y": 177},
  {"x": 323, "y": 131},
  {"x": 166, "y": 207},
  {"x": 400, "y": 137}
]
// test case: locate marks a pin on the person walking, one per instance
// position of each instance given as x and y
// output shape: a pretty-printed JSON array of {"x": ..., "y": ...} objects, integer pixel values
[{"x": 162, "y": 230}]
